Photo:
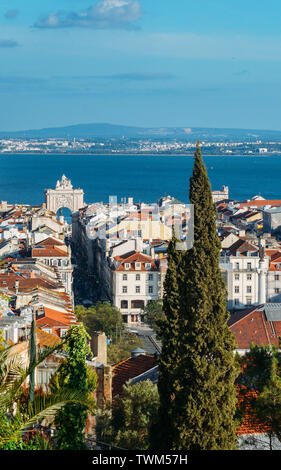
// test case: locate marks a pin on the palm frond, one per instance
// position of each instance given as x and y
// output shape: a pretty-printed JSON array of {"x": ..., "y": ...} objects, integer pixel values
[
  {"x": 46, "y": 408},
  {"x": 14, "y": 373}
]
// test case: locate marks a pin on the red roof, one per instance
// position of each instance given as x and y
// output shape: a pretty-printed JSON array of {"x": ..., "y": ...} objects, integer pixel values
[
  {"x": 50, "y": 251},
  {"x": 251, "y": 424},
  {"x": 128, "y": 369},
  {"x": 56, "y": 320},
  {"x": 24, "y": 283},
  {"x": 132, "y": 258},
  {"x": 251, "y": 326},
  {"x": 260, "y": 203},
  {"x": 50, "y": 241},
  {"x": 242, "y": 246},
  {"x": 46, "y": 339},
  {"x": 275, "y": 260}
]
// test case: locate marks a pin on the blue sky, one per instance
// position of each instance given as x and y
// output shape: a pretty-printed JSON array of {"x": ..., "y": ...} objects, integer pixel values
[{"x": 209, "y": 63}]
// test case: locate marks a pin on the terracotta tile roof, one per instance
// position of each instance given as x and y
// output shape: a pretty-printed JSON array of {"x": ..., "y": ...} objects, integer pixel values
[
  {"x": 47, "y": 322},
  {"x": 128, "y": 369},
  {"x": 46, "y": 340},
  {"x": 132, "y": 258},
  {"x": 56, "y": 320},
  {"x": 242, "y": 246},
  {"x": 251, "y": 326},
  {"x": 50, "y": 241},
  {"x": 50, "y": 251},
  {"x": 65, "y": 317},
  {"x": 260, "y": 203},
  {"x": 24, "y": 283},
  {"x": 275, "y": 260},
  {"x": 251, "y": 424},
  {"x": 240, "y": 315}
]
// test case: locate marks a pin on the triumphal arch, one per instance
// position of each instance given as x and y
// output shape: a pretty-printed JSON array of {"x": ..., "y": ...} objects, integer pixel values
[{"x": 64, "y": 196}]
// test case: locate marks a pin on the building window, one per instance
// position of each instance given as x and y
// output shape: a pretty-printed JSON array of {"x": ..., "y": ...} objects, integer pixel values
[
  {"x": 237, "y": 266},
  {"x": 248, "y": 300},
  {"x": 150, "y": 277},
  {"x": 137, "y": 304},
  {"x": 138, "y": 289},
  {"x": 137, "y": 277},
  {"x": 277, "y": 290},
  {"x": 127, "y": 265},
  {"x": 249, "y": 266},
  {"x": 236, "y": 301},
  {"x": 147, "y": 266},
  {"x": 138, "y": 266},
  {"x": 237, "y": 277},
  {"x": 249, "y": 277},
  {"x": 124, "y": 289},
  {"x": 150, "y": 289},
  {"x": 249, "y": 289},
  {"x": 276, "y": 277},
  {"x": 236, "y": 289},
  {"x": 125, "y": 277},
  {"x": 124, "y": 304}
]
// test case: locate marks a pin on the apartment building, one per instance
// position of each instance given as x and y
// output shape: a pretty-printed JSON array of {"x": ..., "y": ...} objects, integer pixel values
[{"x": 136, "y": 280}]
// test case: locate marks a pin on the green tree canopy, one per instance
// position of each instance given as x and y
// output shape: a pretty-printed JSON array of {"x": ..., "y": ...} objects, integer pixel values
[
  {"x": 121, "y": 349},
  {"x": 261, "y": 371},
  {"x": 256, "y": 366},
  {"x": 153, "y": 314},
  {"x": 101, "y": 317},
  {"x": 268, "y": 403},
  {"x": 127, "y": 426}
]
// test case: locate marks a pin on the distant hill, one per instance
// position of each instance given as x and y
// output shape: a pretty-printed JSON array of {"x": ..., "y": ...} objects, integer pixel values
[{"x": 103, "y": 130}]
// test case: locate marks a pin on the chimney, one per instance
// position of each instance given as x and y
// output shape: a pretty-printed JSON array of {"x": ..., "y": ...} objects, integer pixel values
[{"x": 99, "y": 347}]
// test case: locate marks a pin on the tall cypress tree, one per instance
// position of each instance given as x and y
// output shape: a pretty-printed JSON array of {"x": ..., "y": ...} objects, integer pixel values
[
  {"x": 170, "y": 333},
  {"x": 204, "y": 370}
]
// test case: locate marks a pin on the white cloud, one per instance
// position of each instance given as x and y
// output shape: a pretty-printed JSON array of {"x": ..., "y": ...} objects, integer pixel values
[{"x": 105, "y": 14}]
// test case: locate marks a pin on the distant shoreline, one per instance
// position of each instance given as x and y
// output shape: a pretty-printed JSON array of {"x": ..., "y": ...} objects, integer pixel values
[{"x": 135, "y": 154}]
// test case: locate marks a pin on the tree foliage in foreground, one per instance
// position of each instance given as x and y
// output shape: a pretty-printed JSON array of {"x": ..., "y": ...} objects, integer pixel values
[
  {"x": 197, "y": 368},
  {"x": 18, "y": 420},
  {"x": 127, "y": 424},
  {"x": 73, "y": 375},
  {"x": 261, "y": 371}
]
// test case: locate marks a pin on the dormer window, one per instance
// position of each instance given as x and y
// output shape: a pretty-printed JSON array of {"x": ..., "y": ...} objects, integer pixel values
[
  {"x": 138, "y": 266},
  {"x": 147, "y": 266},
  {"x": 127, "y": 265}
]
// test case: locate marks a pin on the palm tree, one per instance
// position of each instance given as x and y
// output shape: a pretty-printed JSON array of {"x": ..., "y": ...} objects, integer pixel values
[{"x": 13, "y": 376}]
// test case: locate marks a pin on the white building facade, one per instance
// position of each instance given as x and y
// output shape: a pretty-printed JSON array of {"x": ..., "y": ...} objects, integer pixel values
[{"x": 136, "y": 280}]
